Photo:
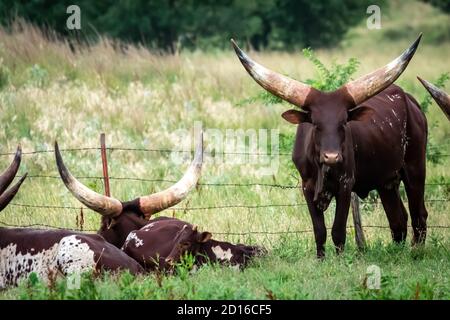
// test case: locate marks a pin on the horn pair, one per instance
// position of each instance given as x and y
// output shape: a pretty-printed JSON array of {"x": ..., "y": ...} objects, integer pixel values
[
  {"x": 297, "y": 92},
  {"x": 150, "y": 204},
  {"x": 7, "y": 177},
  {"x": 441, "y": 98}
]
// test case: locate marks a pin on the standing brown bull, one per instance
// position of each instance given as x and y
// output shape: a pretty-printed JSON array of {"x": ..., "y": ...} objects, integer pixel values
[
  {"x": 46, "y": 252},
  {"x": 441, "y": 98},
  {"x": 367, "y": 135},
  {"x": 160, "y": 242}
]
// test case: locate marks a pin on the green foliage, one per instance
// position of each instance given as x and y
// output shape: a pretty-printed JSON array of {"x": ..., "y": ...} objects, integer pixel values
[
  {"x": 177, "y": 24},
  {"x": 331, "y": 78},
  {"x": 444, "y": 5},
  {"x": 38, "y": 76}
]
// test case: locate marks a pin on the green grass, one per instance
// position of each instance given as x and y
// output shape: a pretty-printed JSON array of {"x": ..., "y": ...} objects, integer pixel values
[
  {"x": 289, "y": 272},
  {"x": 140, "y": 99}
]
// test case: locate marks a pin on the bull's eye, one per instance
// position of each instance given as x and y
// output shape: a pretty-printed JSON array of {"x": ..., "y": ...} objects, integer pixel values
[{"x": 184, "y": 244}]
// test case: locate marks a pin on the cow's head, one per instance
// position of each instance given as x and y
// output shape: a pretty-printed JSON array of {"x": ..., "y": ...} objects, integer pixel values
[
  {"x": 187, "y": 241},
  {"x": 328, "y": 112},
  {"x": 120, "y": 218},
  {"x": 7, "y": 177},
  {"x": 441, "y": 98}
]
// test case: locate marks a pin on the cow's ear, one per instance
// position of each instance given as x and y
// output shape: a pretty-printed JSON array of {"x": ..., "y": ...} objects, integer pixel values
[
  {"x": 360, "y": 114},
  {"x": 203, "y": 237},
  {"x": 295, "y": 116}
]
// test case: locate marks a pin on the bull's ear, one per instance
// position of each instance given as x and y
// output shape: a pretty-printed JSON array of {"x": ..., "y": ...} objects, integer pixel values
[
  {"x": 295, "y": 116},
  {"x": 204, "y": 237},
  {"x": 360, "y": 114}
]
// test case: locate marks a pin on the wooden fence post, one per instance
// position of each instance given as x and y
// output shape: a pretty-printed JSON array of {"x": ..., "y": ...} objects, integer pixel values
[
  {"x": 105, "y": 165},
  {"x": 359, "y": 233}
]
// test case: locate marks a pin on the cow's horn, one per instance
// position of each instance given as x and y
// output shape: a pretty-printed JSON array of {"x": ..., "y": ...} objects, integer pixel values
[
  {"x": 284, "y": 87},
  {"x": 369, "y": 85},
  {"x": 8, "y": 176},
  {"x": 159, "y": 201},
  {"x": 106, "y": 206},
  {"x": 441, "y": 98},
  {"x": 8, "y": 195}
]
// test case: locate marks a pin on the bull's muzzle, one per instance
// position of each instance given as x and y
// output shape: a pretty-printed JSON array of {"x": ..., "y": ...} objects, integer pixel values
[{"x": 331, "y": 158}]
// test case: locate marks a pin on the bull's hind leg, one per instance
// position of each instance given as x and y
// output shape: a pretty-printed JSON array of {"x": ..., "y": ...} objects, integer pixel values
[
  {"x": 414, "y": 181},
  {"x": 395, "y": 211}
]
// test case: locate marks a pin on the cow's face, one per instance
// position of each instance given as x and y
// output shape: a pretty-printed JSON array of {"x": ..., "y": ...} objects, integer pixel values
[
  {"x": 116, "y": 229},
  {"x": 232, "y": 254},
  {"x": 187, "y": 241},
  {"x": 328, "y": 113}
]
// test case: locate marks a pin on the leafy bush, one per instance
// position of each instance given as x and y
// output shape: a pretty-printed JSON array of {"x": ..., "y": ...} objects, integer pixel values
[
  {"x": 332, "y": 78},
  {"x": 38, "y": 76}
]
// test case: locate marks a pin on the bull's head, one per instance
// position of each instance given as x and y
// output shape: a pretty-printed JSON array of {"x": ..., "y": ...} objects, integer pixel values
[
  {"x": 120, "y": 218},
  {"x": 328, "y": 112},
  {"x": 7, "y": 177},
  {"x": 188, "y": 240},
  {"x": 441, "y": 98}
]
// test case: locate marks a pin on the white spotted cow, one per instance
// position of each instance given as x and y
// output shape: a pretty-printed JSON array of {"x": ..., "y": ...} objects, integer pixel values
[{"x": 51, "y": 252}]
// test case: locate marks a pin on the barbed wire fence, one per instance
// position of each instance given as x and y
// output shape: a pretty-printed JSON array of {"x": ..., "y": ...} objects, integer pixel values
[{"x": 185, "y": 209}]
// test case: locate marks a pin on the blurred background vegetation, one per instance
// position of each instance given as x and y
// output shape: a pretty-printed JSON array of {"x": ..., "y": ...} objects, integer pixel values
[{"x": 172, "y": 25}]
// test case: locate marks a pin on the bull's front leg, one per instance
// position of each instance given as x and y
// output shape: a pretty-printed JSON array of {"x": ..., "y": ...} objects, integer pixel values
[
  {"x": 339, "y": 230},
  {"x": 320, "y": 230}
]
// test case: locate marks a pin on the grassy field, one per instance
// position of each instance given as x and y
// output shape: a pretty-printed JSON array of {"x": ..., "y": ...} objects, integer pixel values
[{"x": 140, "y": 99}]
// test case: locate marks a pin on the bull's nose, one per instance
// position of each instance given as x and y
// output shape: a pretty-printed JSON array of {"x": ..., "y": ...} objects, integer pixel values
[{"x": 332, "y": 157}]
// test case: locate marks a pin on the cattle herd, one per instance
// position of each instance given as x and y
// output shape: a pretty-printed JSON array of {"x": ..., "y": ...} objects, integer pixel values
[{"x": 367, "y": 135}]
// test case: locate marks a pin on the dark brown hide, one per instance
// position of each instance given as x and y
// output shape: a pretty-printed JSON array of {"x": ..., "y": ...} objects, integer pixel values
[
  {"x": 162, "y": 242},
  {"x": 384, "y": 143}
]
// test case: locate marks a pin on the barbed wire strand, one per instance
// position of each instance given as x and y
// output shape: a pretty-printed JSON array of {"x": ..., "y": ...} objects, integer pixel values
[
  {"x": 213, "y": 153},
  {"x": 206, "y": 184},
  {"x": 39, "y": 225}
]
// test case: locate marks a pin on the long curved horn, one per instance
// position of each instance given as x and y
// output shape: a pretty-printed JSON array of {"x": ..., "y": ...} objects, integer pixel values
[
  {"x": 7, "y": 196},
  {"x": 106, "y": 206},
  {"x": 8, "y": 175},
  {"x": 369, "y": 85},
  {"x": 441, "y": 98},
  {"x": 159, "y": 201},
  {"x": 284, "y": 87}
]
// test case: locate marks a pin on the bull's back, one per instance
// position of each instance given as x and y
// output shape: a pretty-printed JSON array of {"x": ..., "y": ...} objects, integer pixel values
[{"x": 380, "y": 139}]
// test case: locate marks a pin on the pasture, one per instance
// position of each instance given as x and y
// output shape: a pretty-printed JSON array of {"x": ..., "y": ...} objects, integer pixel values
[{"x": 140, "y": 99}]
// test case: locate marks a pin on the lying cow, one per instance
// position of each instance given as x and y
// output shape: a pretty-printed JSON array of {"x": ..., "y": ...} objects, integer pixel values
[
  {"x": 158, "y": 243},
  {"x": 47, "y": 252},
  {"x": 165, "y": 240},
  {"x": 441, "y": 98},
  {"x": 367, "y": 135}
]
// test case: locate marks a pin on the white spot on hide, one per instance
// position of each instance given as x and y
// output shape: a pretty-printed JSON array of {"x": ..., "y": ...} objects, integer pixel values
[
  {"x": 222, "y": 254},
  {"x": 132, "y": 236}
]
